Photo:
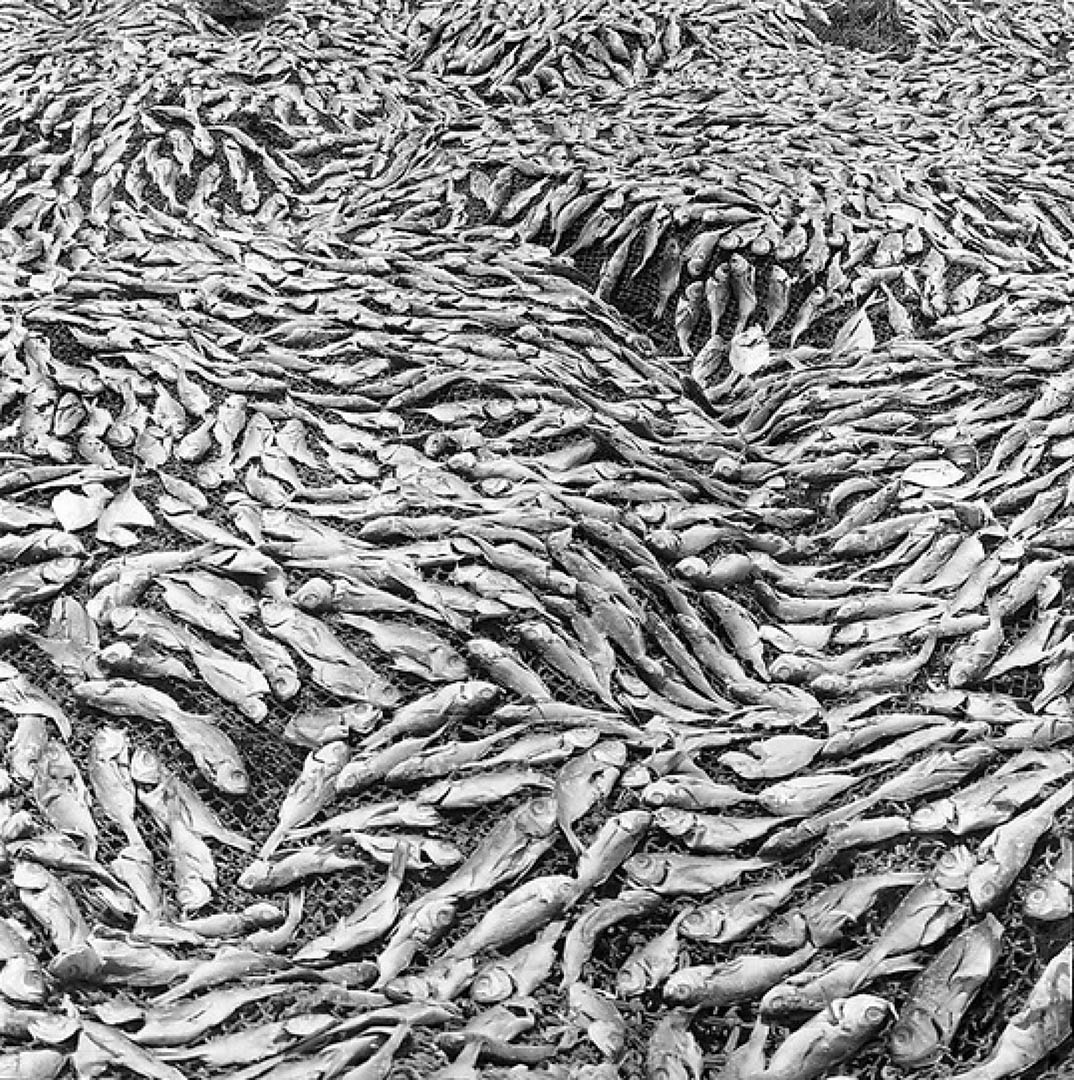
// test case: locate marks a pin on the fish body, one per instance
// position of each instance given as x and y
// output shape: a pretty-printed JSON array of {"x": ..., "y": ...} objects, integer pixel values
[
  {"x": 1052, "y": 896},
  {"x": 1004, "y": 853},
  {"x": 686, "y": 875},
  {"x": 829, "y": 1038},
  {"x": 529, "y": 907},
  {"x": 731, "y": 916},
  {"x": 942, "y": 994},
  {"x": 583, "y": 782},
  {"x": 714, "y": 834},
  {"x": 309, "y": 793},
  {"x": 1041, "y": 1025},
  {"x": 520, "y": 973},
  {"x": 745, "y": 978},
  {"x": 673, "y": 1052}
]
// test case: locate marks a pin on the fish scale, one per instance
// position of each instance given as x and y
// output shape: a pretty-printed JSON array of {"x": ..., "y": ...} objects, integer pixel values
[{"x": 277, "y": 240}]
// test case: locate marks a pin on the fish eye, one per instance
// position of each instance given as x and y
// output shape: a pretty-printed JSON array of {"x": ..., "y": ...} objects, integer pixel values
[{"x": 874, "y": 1014}]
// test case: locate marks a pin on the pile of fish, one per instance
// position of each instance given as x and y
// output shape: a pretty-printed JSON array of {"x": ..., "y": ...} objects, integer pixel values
[{"x": 536, "y": 540}]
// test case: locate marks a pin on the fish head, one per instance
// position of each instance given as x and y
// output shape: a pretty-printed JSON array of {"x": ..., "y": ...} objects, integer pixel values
[
  {"x": 538, "y": 817},
  {"x": 30, "y": 876},
  {"x": 932, "y": 818},
  {"x": 433, "y": 919},
  {"x": 786, "y": 999},
  {"x": 80, "y": 964},
  {"x": 954, "y": 868},
  {"x": 789, "y": 931},
  {"x": 673, "y": 821},
  {"x": 703, "y": 924},
  {"x": 232, "y": 778},
  {"x": 1048, "y": 901},
  {"x": 986, "y": 885},
  {"x": 646, "y": 870},
  {"x": 314, "y": 595},
  {"x": 492, "y": 985},
  {"x": 146, "y": 767},
  {"x": 915, "y": 1038},
  {"x": 111, "y": 742},
  {"x": 682, "y": 987},
  {"x": 863, "y": 1013},
  {"x": 22, "y": 981},
  {"x": 632, "y": 979},
  {"x": 481, "y": 695},
  {"x": 659, "y": 793}
]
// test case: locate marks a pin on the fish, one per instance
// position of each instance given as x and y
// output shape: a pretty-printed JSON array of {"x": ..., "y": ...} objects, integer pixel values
[
  {"x": 1041, "y": 1025},
  {"x": 309, "y": 793},
  {"x": 745, "y": 978},
  {"x": 618, "y": 837},
  {"x": 1004, "y": 853},
  {"x": 22, "y": 979},
  {"x": 831, "y": 1037},
  {"x": 673, "y": 1051},
  {"x": 214, "y": 752},
  {"x": 529, "y": 907},
  {"x": 715, "y": 834},
  {"x": 942, "y": 994},
  {"x": 37, "y": 1064},
  {"x": 50, "y": 903},
  {"x": 583, "y": 782},
  {"x": 255, "y": 1043},
  {"x": 592, "y": 922},
  {"x": 734, "y": 915},
  {"x": 1050, "y": 898},
  {"x": 520, "y": 973},
  {"x": 686, "y": 875}
]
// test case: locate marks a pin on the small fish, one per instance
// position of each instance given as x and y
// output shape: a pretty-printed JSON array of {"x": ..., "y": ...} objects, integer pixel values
[
  {"x": 745, "y": 978},
  {"x": 613, "y": 844},
  {"x": 829, "y": 1038},
  {"x": 585, "y": 931},
  {"x": 1040, "y": 1026},
  {"x": 686, "y": 875},
  {"x": 733, "y": 915},
  {"x": 585, "y": 781},
  {"x": 309, "y": 793},
  {"x": 1004, "y": 853},
  {"x": 673, "y": 1052},
  {"x": 1052, "y": 897},
  {"x": 529, "y": 907},
  {"x": 650, "y": 965},
  {"x": 715, "y": 834},
  {"x": 942, "y": 994},
  {"x": 520, "y": 973}
]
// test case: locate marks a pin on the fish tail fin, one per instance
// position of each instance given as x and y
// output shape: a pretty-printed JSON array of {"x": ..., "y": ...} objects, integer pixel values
[
  {"x": 272, "y": 842},
  {"x": 567, "y": 828}
]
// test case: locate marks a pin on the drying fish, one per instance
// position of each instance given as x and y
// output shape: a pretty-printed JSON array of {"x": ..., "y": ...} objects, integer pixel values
[
  {"x": 687, "y": 875},
  {"x": 1003, "y": 854},
  {"x": 520, "y": 973},
  {"x": 829, "y": 1039},
  {"x": 673, "y": 1050},
  {"x": 1039, "y": 1027},
  {"x": 1051, "y": 897},
  {"x": 735, "y": 914},
  {"x": 823, "y": 919},
  {"x": 943, "y": 992},
  {"x": 214, "y": 752},
  {"x": 746, "y": 978},
  {"x": 583, "y": 782},
  {"x": 309, "y": 794}
]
